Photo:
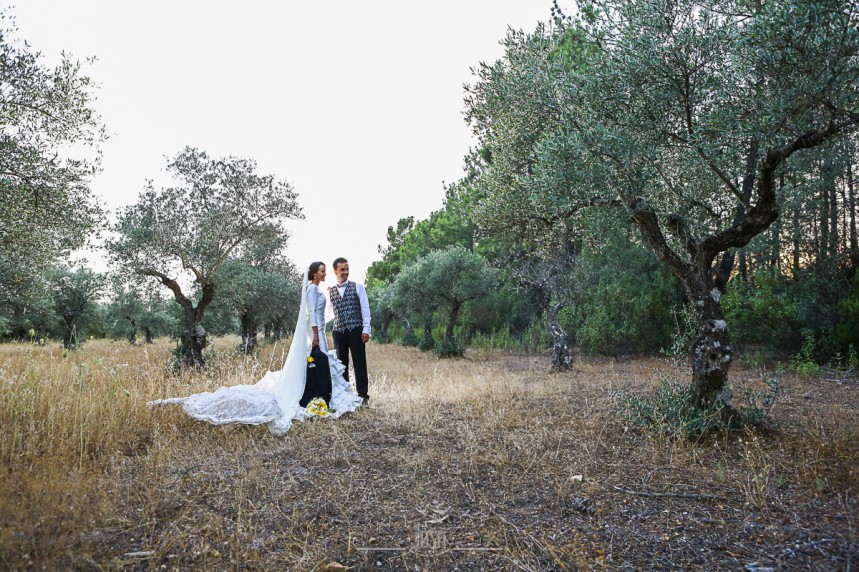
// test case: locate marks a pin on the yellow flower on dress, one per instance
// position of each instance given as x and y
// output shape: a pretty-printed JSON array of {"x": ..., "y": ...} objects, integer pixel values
[{"x": 317, "y": 406}]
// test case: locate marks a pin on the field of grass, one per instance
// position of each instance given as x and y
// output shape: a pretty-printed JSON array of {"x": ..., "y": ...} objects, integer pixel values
[{"x": 481, "y": 463}]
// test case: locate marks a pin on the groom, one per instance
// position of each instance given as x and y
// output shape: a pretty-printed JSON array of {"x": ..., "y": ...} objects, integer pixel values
[{"x": 351, "y": 324}]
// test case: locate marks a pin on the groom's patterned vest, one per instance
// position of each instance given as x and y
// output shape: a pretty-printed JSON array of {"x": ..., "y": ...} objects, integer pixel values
[{"x": 347, "y": 308}]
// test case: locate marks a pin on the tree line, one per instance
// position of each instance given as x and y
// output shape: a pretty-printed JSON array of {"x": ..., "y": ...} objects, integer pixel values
[
  {"x": 218, "y": 228},
  {"x": 657, "y": 174},
  {"x": 649, "y": 177}
]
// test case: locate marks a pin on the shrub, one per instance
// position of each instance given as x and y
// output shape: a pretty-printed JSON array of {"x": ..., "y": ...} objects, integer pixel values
[
  {"x": 448, "y": 348},
  {"x": 410, "y": 340},
  {"x": 670, "y": 413},
  {"x": 847, "y": 329},
  {"x": 501, "y": 339},
  {"x": 756, "y": 411},
  {"x": 623, "y": 301},
  {"x": 777, "y": 313},
  {"x": 382, "y": 337},
  {"x": 803, "y": 361},
  {"x": 686, "y": 317},
  {"x": 763, "y": 311},
  {"x": 426, "y": 343}
]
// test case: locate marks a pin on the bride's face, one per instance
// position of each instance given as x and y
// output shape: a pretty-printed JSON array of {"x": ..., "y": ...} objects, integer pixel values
[{"x": 320, "y": 274}]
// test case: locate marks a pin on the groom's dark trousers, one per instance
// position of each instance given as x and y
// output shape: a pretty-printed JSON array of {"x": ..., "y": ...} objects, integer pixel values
[{"x": 350, "y": 341}]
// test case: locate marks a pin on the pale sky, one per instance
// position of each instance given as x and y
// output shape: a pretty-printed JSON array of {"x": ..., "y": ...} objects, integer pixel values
[{"x": 357, "y": 103}]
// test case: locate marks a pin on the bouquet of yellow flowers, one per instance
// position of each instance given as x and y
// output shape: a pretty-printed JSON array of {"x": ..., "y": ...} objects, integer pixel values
[{"x": 317, "y": 406}]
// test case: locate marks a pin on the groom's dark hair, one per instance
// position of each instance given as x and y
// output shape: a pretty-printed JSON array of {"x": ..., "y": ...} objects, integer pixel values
[{"x": 339, "y": 260}]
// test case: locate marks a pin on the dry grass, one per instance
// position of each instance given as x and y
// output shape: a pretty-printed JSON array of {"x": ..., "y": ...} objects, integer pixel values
[{"x": 484, "y": 463}]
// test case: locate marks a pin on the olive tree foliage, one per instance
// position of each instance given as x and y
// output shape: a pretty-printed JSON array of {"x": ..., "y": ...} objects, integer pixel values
[
  {"x": 217, "y": 208},
  {"x": 284, "y": 286},
  {"x": 538, "y": 249},
  {"x": 547, "y": 274},
  {"x": 411, "y": 298},
  {"x": 443, "y": 281},
  {"x": 678, "y": 114},
  {"x": 134, "y": 306},
  {"x": 261, "y": 287},
  {"x": 625, "y": 300},
  {"x": 381, "y": 299},
  {"x": 49, "y": 149}
]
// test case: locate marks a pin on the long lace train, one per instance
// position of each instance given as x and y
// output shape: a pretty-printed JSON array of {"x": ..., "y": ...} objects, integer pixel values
[
  {"x": 258, "y": 403},
  {"x": 274, "y": 399}
]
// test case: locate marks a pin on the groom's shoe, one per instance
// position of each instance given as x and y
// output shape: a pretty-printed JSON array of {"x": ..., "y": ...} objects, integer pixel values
[{"x": 364, "y": 398}]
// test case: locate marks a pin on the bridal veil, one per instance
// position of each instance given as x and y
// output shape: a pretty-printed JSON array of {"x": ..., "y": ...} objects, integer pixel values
[{"x": 273, "y": 400}]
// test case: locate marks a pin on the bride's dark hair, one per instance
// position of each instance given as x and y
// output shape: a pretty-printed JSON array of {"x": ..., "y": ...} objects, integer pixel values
[{"x": 314, "y": 266}]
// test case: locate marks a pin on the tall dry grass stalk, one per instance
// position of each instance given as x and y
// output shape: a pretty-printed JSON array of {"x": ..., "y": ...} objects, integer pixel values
[
  {"x": 483, "y": 462},
  {"x": 67, "y": 417}
]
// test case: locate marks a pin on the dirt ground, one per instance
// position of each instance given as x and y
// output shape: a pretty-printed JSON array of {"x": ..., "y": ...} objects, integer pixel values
[{"x": 481, "y": 463}]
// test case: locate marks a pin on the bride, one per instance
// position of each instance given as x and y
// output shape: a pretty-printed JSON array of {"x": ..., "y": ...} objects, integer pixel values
[{"x": 274, "y": 400}]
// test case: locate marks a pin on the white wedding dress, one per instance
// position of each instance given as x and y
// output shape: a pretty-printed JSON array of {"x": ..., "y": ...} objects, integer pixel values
[{"x": 274, "y": 400}]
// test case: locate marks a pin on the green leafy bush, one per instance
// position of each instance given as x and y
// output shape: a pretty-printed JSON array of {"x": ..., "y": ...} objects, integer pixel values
[
  {"x": 624, "y": 298},
  {"x": 686, "y": 319},
  {"x": 756, "y": 410},
  {"x": 410, "y": 340},
  {"x": 448, "y": 349},
  {"x": 426, "y": 343},
  {"x": 670, "y": 413},
  {"x": 763, "y": 311},
  {"x": 847, "y": 329},
  {"x": 803, "y": 361}
]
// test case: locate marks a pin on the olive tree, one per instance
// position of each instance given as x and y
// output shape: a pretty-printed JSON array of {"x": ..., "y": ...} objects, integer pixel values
[
  {"x": 75, "y": 292},
  {"x": 680, "y": 116},
  {"x": 49, "y": 149},
  {"x": 411, "y": 298},
  {"x": 381, "y": 298},
  {"x": 135, "y": 306},
  {"x": 260, "y": 286},
  {"x": 188, "y": 231},
  {"x": 547, "y": 275},
  {"x": 444, "y": 280}
]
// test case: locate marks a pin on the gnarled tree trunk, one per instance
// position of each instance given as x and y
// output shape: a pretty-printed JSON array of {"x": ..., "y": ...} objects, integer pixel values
[
  {"x": 249, "y": 333},
  {"x": 562, "y": 355},
  {"x": 132, "y": 337},
  {"x": 192, "y": 340},
  {"x": 70, "y": 337},
  {"x": 451, "y": 321},
  {"x": 711, "y": 352},
  {"x": 428, "y": 342}
]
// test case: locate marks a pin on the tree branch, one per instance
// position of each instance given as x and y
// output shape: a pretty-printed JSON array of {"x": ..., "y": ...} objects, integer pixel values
[
  {"x": 186, "y": 265},
  {"x": 724, "y": 178},
  {"x": 170, "y": 283},
  {"x": 32, "y": 108},
  {"x": 646, "y": 219},
  {"x": 678, "y": 228},
  {"x": 765, "y": 211}
]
